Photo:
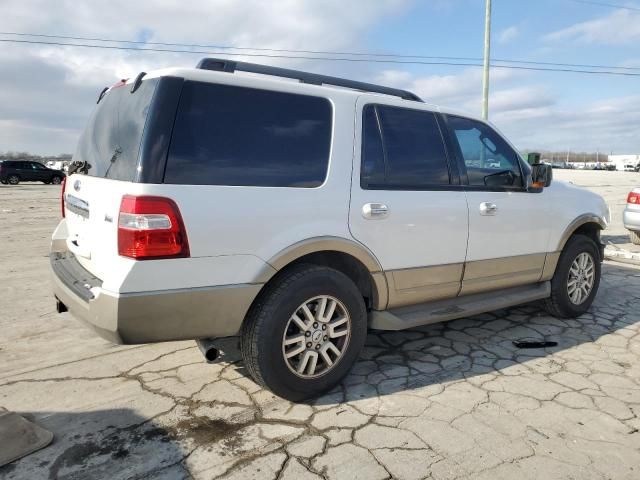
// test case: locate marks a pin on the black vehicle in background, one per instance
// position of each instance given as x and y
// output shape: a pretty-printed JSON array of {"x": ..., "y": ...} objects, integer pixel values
[{"x": 16, "y": 171}]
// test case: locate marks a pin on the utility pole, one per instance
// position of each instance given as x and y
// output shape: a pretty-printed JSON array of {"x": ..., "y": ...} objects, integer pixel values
[{"x": 485, "y": 71}]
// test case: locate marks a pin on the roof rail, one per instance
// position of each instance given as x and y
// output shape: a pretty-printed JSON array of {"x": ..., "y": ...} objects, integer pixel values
[{"x": 224, "y": 65}]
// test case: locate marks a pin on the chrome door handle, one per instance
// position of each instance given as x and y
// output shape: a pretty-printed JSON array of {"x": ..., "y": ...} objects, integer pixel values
[
  {"x": 488, "y": 208},
  {"x": 374, "y": 210}
]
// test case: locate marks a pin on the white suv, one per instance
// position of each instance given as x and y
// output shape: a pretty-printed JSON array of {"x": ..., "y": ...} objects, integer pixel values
[{"x": 297, "y": 212}]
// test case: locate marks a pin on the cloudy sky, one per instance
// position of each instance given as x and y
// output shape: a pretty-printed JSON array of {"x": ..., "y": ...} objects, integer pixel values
[{"x": 48, "y": 91}]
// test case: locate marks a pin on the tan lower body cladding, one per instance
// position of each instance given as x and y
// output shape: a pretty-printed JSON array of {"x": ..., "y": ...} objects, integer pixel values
[
  {"x": 417, "y": 285},
  {"x": 425, "y": 284}
]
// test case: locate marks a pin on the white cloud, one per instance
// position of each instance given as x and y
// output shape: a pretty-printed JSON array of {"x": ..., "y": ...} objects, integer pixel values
[
  {"x": 55, "y": 87},
  {"x": 630, "y": 63},
  {"x": 528, "y": 113},
  {"x": 462, "y": 91},
  {"x": 611, "y": 124},
  {"x": 621, "y": 27},
  {"x": 520, "y": 98},
  {"x": 508, "y": 34},
  {"x": 47, "y": 93}
]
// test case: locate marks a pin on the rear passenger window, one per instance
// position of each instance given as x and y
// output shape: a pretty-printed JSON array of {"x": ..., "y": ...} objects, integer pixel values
[
  {"x": 227, "y": 135},
  {"x": 373, "y": 171},
  {"x": 402, "y": 149}
]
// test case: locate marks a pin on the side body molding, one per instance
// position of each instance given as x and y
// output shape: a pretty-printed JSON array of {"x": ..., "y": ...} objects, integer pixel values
[
  {"x": 380, "y": 284},
  {"x": 333, "y": 244}
]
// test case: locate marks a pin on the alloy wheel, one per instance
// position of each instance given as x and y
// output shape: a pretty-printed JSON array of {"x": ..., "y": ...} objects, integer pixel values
[
  {"x": 316, "y": 336},
  {"x": 581, "y": 278}
]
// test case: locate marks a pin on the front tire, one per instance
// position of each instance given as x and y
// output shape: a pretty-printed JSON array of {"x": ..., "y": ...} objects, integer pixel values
[
  {"x": 13, "y": 179},
  {"x": 304, "y": 332},
  {"x": 56, "y": 180},
  {"x": 634, "y": 237},
  {"x": 576, "y": 280}
]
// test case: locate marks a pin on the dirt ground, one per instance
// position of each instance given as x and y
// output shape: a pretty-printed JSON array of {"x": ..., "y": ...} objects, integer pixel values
[{"x": 453, "y": 400}]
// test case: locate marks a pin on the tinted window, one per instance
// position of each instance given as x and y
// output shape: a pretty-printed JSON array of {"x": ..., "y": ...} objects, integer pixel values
[
  {"x": 489, "y": 160},
  {"x": 226, "y": 135},
  {"x": 373, "y": 171},
  {"x": 413, "y": 150},
  {"x": 111, "y": 140}
]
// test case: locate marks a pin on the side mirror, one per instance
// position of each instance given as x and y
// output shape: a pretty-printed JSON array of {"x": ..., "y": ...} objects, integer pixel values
[{"x": 541, "y": 176}]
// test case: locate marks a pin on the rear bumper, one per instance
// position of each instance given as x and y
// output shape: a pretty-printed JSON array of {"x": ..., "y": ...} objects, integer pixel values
[
  {"x": 155, "y": 316},
  {"x": 631, "y": 219}
]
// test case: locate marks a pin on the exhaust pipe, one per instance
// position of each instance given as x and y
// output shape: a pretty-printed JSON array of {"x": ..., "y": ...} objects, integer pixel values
[
  {"x": 218, "y": 349},
  {"x": 208, "y": 349}
]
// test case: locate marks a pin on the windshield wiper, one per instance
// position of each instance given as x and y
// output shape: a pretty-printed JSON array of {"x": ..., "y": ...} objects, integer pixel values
[{"x": 114, "y": 157}]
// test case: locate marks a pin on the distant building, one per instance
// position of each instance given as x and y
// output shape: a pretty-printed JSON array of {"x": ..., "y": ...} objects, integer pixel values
[{"x": 622, "y": 161}]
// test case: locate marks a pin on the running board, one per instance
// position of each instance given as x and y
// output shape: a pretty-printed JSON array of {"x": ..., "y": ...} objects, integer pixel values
[{"x": 459, "y": 307}]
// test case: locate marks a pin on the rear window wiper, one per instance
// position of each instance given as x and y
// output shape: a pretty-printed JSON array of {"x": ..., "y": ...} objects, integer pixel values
[{"x": 114, "y": 157}]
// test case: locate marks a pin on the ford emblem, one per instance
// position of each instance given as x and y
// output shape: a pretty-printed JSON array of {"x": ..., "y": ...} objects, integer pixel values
[{"x": 76, "y": 185}]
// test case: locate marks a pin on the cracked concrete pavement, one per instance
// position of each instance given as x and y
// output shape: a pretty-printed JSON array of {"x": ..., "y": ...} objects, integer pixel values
[{"x": 453, "y": 400}]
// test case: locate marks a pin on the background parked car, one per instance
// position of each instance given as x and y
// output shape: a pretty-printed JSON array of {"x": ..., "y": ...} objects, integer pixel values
[
  {"x": 58, "y": 165},
  {"x": 631, "y": 215},
  {"x": 16, "y": 171}
]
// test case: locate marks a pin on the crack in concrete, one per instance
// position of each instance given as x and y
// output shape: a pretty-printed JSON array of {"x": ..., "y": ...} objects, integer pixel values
[{"x": 462, "y": 371}]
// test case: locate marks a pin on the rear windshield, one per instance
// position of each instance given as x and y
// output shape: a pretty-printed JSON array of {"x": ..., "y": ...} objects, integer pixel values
[
  {"x": 111, "y": 140},
  {"x": 227, "y": 135}
]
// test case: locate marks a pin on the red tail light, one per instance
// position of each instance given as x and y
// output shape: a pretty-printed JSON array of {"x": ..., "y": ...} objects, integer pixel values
[
  {"x": 64, "y": 187},
  {"x": 151, "y": 227},
  {"x": 634, "y": 197}
]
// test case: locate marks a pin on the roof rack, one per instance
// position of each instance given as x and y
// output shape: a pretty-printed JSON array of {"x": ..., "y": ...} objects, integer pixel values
[{"x": 224, "y": 65}]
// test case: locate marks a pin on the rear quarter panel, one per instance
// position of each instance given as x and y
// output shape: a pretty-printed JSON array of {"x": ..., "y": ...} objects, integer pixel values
[{"x": 260, "y": 222}]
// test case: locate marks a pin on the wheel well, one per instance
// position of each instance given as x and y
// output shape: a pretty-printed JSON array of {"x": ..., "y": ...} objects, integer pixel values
[
  {"x": 591, "y": 230},
  {"x": 345, "y": 263}
]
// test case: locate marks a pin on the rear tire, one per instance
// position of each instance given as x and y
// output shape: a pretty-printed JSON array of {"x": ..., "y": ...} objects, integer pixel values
[
  {"x": 13, "y": 180},
  {"x": 576, "y": 280},
  {"x": 634, "y": 237},
  {"x": 56, "y": 180},
  {"x": 286, "y": 348}
]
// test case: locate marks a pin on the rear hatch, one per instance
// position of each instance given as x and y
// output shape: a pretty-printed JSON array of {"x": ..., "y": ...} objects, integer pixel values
[{"x": 108, "y": 152}]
